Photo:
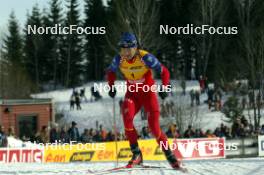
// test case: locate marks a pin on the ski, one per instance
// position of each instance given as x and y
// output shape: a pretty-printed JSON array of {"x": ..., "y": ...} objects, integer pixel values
[
  {"x": 125, "y": 168},
  {"x": 138, "y": 167}
]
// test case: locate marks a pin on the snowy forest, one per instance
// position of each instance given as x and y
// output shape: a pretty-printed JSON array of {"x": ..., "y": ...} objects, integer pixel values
[{"x": 35, "y": 63}]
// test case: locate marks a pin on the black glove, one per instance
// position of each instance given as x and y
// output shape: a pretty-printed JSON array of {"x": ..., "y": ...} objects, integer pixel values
[
  {"x": 162, "y": 93},
  {"x": 112, "y": 92}
]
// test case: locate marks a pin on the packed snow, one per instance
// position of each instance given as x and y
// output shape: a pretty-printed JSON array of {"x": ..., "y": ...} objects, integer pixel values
[{"x": 248, "y": 166}]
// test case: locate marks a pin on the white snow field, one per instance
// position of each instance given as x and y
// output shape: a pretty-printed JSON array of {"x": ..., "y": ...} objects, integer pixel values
[
  {"x": 247, "y": 166},
  {"x": 102, "y": 110}
]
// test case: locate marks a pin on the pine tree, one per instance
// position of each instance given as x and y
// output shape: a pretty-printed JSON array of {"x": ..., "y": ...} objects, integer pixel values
[
  {"x": 95, "y": 44},
  {"x": 16, "y": 83},
  {"x": 72, "y": 48},
  {"x": 32, "y": 47},
  {"x": 46, "y": 51},
  {"x": 232, "y": 109},
  {"x": 13, "y": 43},
  {"x": 55, "y": 17}
]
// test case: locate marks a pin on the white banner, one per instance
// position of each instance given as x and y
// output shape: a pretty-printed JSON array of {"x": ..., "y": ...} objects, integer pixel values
[{"x": 261, "y": 145}]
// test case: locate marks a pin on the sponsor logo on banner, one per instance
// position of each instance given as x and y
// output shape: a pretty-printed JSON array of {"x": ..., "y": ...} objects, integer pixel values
[
  {"x": 23, "y": 155},
  {"x": 82, "y": 156},
  {"x": 158, "y": 151},
  {"x": 124, "y": 153},
  {"x": 261, "y": 145},
  {"x": 183, "y": 148},
  {"x": 49, "y": 157},
  {"x": 204, "y": 148},
  {"x": 105, "y": 155}
]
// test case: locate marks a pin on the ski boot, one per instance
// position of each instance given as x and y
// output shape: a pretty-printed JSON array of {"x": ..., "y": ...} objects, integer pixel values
[
  {"x": 137, "y": 158},
  {"x": 175, "y": 164}
]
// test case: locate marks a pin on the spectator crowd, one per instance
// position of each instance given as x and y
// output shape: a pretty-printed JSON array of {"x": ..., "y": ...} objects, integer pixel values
[
  {"x": 239, "y": 129},
  {"x": 79, "y": 96}
]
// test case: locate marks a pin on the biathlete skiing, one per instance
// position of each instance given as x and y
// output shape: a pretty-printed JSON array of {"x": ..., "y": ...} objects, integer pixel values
[{"x": 136, "y": 65}]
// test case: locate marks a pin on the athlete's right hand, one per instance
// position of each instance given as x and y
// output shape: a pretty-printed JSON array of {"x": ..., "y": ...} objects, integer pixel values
[{"x": 112, "y": 92}]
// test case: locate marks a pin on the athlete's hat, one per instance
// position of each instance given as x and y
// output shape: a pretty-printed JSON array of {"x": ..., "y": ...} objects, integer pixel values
[{"x": 127, "y": 40}]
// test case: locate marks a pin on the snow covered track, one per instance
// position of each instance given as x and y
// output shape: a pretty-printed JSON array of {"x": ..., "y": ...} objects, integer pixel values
[{"x": 249, "y": 166}]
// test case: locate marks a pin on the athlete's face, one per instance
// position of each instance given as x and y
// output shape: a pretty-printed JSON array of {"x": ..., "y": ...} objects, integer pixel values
[{"x": 128, "y": 53}]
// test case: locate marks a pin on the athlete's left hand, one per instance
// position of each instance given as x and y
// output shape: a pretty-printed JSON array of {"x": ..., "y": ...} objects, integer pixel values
[
  {"x": 163, "y": 95},
  {"x": 162, "y": 92}
]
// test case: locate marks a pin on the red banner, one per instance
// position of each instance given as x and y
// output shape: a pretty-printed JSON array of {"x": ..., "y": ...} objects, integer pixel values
[
  {"x": 14, "y": 155},
  {"x": 204, "y": 148}
]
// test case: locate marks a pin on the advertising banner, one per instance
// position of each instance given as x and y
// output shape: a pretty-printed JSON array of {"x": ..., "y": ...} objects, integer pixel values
[
  {"x": 204, "y": 148},
  {"x": 21, "y": 155},
  {"x": 261, "y": 145}
]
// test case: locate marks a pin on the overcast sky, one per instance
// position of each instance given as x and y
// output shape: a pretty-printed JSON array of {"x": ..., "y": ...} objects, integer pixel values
[{"x": 21, "y": 7}]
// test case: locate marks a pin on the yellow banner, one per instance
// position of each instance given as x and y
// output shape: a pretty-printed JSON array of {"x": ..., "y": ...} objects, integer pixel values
[{"x": 102, "y": 151}]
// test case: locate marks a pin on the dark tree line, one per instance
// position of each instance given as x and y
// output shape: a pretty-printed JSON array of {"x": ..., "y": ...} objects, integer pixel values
[{"x": 70, "y": 60}]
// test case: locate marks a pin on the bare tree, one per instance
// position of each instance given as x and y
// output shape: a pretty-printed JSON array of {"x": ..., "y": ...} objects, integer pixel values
[
  {"x": 184, "y": 115},
  {"x": 140, "y": 17},
  {"x": 252, "y": 41},
  {"x": 15, "y": 82},
  {"x": 258, "y": 54},
  {"x": 209, "y": 11}
]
